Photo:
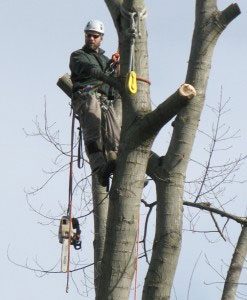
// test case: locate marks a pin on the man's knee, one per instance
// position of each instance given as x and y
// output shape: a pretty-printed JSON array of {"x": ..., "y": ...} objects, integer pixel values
[{"x": 93, "y": 147}]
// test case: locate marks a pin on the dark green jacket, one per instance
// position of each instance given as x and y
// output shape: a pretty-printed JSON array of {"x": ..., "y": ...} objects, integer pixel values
[{"x": 81, "y": 61}]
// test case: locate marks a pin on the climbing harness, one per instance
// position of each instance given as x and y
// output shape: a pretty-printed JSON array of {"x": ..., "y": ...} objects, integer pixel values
[
  {"x": 105, "y": 103},
  {"x": 69, "y": 229},
  {"x": 134, "y": 31}
]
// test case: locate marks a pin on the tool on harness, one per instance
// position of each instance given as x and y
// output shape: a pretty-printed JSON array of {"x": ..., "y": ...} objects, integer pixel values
[
  {"x": 66, "y": 236},
  {"x": 69, "y": 229},
  {"x": 113, "y": 64}
]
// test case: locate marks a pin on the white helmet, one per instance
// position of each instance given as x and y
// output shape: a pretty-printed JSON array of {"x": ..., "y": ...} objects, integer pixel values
[{"x": 95, "y": 25}]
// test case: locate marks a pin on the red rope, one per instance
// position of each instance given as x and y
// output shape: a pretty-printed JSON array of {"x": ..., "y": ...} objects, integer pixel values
[
  {"x": 143, "y": 80},
  {"x": 70, "y": 196},
  {"x": 140, "y": 79}
]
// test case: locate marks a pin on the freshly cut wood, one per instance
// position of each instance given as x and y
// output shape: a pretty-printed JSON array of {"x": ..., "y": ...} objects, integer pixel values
[
  {"x": 65, "y": 84},
  {"x": 187, "y": 90}
]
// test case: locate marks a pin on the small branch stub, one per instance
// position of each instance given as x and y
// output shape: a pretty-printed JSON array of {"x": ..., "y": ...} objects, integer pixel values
[{"x": 188, "y": 91}]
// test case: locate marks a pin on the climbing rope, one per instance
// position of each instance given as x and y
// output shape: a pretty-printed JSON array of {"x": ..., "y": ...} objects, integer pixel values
[
  {"x": 70, "y": 196},
  {"x": 134, "y": 24},
  {"x": 132, "y": 32}
]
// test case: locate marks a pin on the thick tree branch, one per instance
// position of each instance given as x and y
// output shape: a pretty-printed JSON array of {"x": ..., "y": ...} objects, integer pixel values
[
  {"x": 229, "y": 14},
  {"x": 155, "y": 120},
  {"x": 237, "y": 263},
  {"x": 113, "y": 3},
  {"x": 114, "y": 9},
  {"x": 207, "y": 206},
  {"x": 65, "y": 84}
]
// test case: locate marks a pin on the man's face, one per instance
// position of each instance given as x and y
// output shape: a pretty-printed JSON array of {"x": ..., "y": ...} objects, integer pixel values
[{"x": 93, "y": 40}]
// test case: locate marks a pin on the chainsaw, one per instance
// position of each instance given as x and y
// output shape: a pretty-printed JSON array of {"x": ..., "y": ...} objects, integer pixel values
[{"x": 68, "y": 235}]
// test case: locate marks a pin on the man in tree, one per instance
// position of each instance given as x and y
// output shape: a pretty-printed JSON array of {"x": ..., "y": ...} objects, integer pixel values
[{"x": 92, "y": 102}]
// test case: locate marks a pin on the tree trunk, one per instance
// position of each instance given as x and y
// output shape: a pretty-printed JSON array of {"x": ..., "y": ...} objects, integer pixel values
[
  {"x": 119, "y": 258},
  {"x": 100, "y": 206},
  {"x": 237, "y": 263},
  {"x": 170, "y": 175}
]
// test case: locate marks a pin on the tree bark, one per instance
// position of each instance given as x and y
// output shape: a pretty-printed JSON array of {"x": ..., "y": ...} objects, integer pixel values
[
  {"x": 100, "y": 207},
  {"x": 119, "y": 257},
  {"x": 170, "y": 175},
  {"x": 237, "y": 263}
]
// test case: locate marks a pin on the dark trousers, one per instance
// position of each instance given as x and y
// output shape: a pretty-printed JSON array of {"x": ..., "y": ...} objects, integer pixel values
[{"x": 101, "y": 131}]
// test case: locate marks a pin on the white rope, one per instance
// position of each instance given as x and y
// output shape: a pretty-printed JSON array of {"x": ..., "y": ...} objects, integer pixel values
[
  {"x": 134, "y": 29},
  {"x": 134, "y": 24}
]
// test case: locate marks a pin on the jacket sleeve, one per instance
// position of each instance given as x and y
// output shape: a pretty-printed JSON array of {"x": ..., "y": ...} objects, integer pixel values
[{"x": 78, "y": 65}]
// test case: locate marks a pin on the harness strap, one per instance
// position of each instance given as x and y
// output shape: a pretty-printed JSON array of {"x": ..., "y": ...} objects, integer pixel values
[{"x": 80, "y": 158}]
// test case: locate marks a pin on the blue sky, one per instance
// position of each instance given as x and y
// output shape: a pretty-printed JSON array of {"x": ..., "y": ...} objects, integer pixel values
[{"x": 37, "y": 39}]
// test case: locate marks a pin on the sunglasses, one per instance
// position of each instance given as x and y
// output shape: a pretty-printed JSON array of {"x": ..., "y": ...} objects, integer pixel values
[{"x": 95, "y": 36}]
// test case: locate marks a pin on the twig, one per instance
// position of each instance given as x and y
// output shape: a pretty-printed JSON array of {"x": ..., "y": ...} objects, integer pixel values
[
  {"x": 217, "y": 226},
  {"x": 191, "y": 277}
]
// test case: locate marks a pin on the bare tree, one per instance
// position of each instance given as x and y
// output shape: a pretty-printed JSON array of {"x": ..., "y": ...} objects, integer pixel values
[
  {"x": 139, "y": 128},
  {"x": 116, "y": 216}
]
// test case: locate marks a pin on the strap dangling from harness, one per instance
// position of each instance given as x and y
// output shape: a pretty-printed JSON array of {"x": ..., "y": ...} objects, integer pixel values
[
  {"x": 80, "y": 158},
  {"x": 69, "y": 229}
]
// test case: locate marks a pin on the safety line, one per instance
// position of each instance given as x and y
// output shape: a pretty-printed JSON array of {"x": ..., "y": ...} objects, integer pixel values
[{"x": 70, "y": 196}]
